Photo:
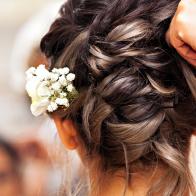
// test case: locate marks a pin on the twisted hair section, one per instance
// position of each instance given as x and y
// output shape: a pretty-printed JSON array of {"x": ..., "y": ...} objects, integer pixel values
[{"x": 137, "y": 96}]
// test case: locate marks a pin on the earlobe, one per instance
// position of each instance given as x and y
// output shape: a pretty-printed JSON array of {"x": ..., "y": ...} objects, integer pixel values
[{"x": 67, "y": 132}]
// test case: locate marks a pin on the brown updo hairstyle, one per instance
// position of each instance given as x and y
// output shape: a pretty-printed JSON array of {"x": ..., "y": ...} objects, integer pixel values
[{"x": 136, "y": 107}]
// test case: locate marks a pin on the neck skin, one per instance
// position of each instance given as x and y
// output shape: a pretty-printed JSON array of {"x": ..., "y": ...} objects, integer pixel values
[{"x": 114, "y": 185}]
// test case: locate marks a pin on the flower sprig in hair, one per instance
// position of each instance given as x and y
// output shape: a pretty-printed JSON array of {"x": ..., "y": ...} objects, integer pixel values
[{"x": 49, "y": 90}]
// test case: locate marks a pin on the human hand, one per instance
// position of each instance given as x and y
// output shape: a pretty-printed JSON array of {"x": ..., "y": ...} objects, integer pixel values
[{"x": 182, "y": 31}]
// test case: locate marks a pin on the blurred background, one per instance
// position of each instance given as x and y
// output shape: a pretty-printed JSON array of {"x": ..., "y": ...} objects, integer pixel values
[
  {"x": 29, "y": 162},
  {"x": 22, "y": 24},
  {"x": 26, "y": 168}
]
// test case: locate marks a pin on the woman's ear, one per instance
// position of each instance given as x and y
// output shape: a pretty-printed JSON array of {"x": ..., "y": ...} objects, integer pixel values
[{"x": 67, "y": 132}]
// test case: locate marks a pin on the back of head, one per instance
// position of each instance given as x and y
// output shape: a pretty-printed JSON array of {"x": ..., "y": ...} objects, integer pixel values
[{"x": 136, "y": 106}]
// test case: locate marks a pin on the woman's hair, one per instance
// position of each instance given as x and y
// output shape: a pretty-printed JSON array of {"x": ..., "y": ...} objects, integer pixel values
[{"x": 136, "y": 105}]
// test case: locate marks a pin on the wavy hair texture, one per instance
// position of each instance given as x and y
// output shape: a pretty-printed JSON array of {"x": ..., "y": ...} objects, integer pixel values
[{"x": 136, "y": 106}]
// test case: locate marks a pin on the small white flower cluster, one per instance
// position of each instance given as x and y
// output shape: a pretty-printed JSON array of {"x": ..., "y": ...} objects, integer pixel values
[{"x": 49, "y": 90}]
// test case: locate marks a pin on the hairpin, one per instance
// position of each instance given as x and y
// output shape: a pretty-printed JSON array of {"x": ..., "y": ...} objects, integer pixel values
[{"x": 50, "y": 90}]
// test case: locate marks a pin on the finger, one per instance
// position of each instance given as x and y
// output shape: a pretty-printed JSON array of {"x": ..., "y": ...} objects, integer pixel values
[
  {"x": 191, "y": 61},
  {"x": 167, "y": 37},
  {"x": 187, "y": 52}
]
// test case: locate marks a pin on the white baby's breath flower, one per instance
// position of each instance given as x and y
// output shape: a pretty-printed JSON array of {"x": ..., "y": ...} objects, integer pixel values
[
  {"x": 55, "y": 70},
  {"x": 30, "y": 72},
  {"x": 43, "y": 90},
  {"x": 70, "y": 88},
  {"x": 35, "y": 90},
  {"x": 53, "y": 77},
  {"x": 70, "y": 77},
  {"x": 56, "y": 86},
  {"x": 42, "y": 72},
  {"x": 63, "y": 101},
  {"x": 44, "y": 87},
  {"x": 67, "y": 105},
  {"x": 63, "y": 95},
  {"x": 52, "y": 107},
  {"x": 39, "y": 107},
  {"x": 63, "y": 80},
  {"x": 65, "y": 70},
  {"x": 31, "y": 87},
  {"x": 61, "y": 71}
]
